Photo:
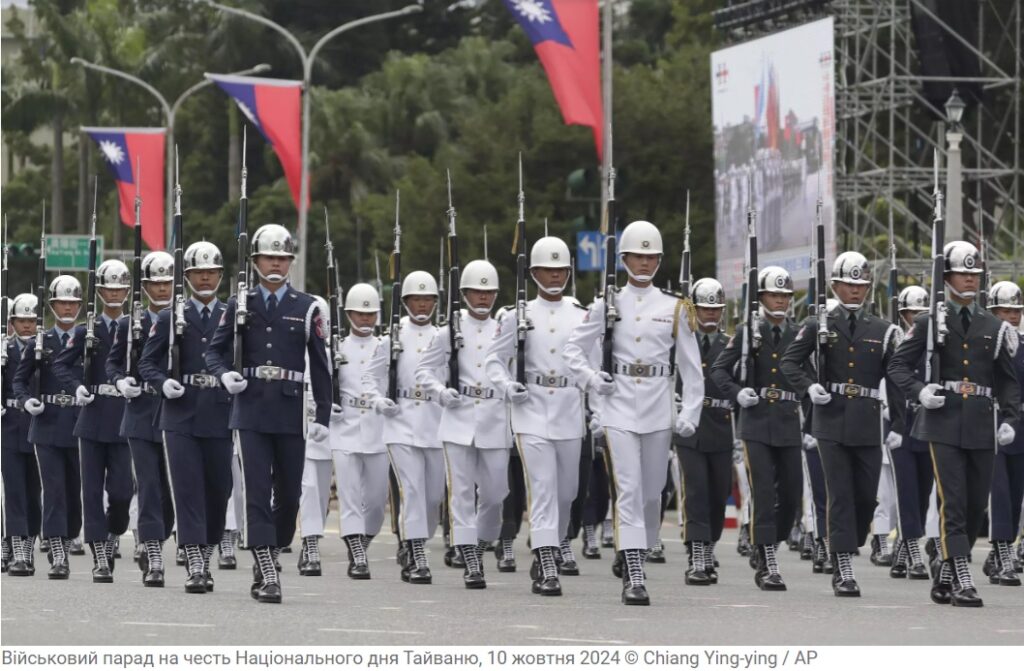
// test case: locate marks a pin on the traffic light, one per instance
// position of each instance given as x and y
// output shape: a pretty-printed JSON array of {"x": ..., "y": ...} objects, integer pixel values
[
  {"x": 582, "y": 183},
  {"x": 23, "y": 249}
]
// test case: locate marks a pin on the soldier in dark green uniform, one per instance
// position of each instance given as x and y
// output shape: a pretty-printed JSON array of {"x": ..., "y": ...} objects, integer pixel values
[
  {"x": 847, "y": 416},
  {"x": 957, "y": 416}
]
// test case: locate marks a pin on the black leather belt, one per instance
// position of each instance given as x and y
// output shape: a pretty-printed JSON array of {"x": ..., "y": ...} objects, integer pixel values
[
  {"x": 272, "y": 373},
  {"x": 773, "y": 394},
  {"x": 201, "y": 380},
  {"x": 854, "y": 390},
  {"x": 476, "y": 392},
  {"x": 967, "y": 388}
]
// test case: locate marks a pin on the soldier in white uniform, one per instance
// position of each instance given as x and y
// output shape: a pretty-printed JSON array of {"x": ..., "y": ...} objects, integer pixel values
[
  {"x": 474, "y": 425},
  {"x": 547, "y": 412},
  {"x": 410, "y": 430},
  {"x": 637, "y": 411}
]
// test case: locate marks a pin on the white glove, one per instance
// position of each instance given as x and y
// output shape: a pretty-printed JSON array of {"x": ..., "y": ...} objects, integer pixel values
[
  {"x": 83, "y": 395},
  {"x": 595, "y": 424},
  {"x": 685, "y": 428},
  {"x": 809, "y": 442},
  {"x": 602, "y": 383},
  {"x": 234, "y": 382},
  {"x": 387, "y": 407},
  {"x": 317, "y": 433},
  {"x": 893, "y": 440},
  {"x": 3, "y": 411},
  {"x": 337, "y": 413},
  {"x": 516, "y": 392},
  {"x": 450, "y": 398},
  {"x": 34, "y": 407},
  {"x": 818, "y": 394},
  {"x": 747, "y": 398},
  {"x": 1005, "y": 435},
  {"x": 930, "y": 398},
  {"x": 128, "y": 387},
  {"x": 172, "y": 388}
]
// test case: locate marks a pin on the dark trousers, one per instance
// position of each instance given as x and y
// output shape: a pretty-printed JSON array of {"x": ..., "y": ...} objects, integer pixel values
[
  {"x": 61, "y": 484},
  {"x": 598, "y": 499},
  {"x": 22, "y": 515},
  {"x": 914, "y": 477},
  {"x": 706, "y": 484},
  {"x": 156, "y": 509},
  {"x": 272, "y": 466},
  {"x": 1007, "y": 494},
  {"x": 586, "y": 468},
  {"x": 776, "y": 490},
  {"x": 514, "y": 506},
  {"x": 394, "y": 501},
  {"x": 200, "y": 475},
  {"x": 963, "y": 479},
  {"x": 851, "y": 478},
  {"x": 105, "y": 467},
  {"x": 819, "y": 496}
]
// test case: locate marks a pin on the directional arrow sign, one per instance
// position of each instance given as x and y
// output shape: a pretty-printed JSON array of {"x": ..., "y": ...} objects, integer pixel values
[{"x": 590, "y": 252}]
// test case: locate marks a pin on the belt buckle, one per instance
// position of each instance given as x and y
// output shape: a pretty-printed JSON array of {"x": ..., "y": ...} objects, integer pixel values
[
  {"x": 707, "y": 402},
  {"x": 640, "y": 369},
  {"x": 63, "y": 400},
  {"x": 772, "y": 394},
  {"x": 269, "y": 373},
  {"x": 203, "y": 381},
  {"x": 851, "y": 390},
  {"x": 968, "y": 388},
  {"x": 417, "y": 394},
  {"x": 106, "y": 390}
]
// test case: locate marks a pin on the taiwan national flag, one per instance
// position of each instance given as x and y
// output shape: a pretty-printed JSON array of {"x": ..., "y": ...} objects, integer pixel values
[
  {"x": 129, "y": 152},
  {"x": 566, "y": 36},
  {"x": 274, "y": 106}
]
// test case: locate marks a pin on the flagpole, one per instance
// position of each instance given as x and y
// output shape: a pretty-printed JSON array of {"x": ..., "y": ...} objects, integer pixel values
[{"x": 606, "y": 90}]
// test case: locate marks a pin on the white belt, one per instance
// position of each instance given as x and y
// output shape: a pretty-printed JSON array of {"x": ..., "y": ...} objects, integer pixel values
[
  {"x": 63, "y": 400},
  {"x": 201, "y": 380},
  {"x": 642, "y": 369},
  {"x": 717, "y": 403},
  {"x": 11, "y": 403},
  {"x": 105, "y": 390},
  {"x": 967, "y": 388},
  {"x": 360, "y": 402},
  {"x": 415, "y": 394},
  {"x": 555, "y": 381},
  {"x": 773, "y": 394},
  {"x": 272, "y": 373},
  {"x": 854, "y": 390},
  {"x": 476, "y": 392}
]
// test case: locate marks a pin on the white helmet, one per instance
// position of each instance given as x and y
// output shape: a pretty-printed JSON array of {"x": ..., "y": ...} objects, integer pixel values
[
  {"x": 272, "y": 240},
  {"x": 1005, "y": 295},
  {"x": 203, "y": 255},
  {"x": 707, "y": 292},
  {"x": 962, "y": 257},
  {"x": 158, "y": 267},
  {"x": 362, "y": 298},
  {"x": 640, "y": 237},
  {"x": 113, "y": 274},
  {"x": 65, "y": 288},
  {"x": 23, "y": 307},
  {"x": 913, "y": 298},
  {"x": 851, "y": 268},
  {"x": 550, "y": 252},
  {"x": 480, "y": 275},
  {"x": 419, "y": 283},
  {"x": 774, "y": 279}
]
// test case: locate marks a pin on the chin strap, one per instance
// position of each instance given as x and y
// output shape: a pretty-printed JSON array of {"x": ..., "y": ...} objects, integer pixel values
[
  {"x": 274, "y": 278},
  {"x": 642, "y": 278},
  {"x": 65, "y": 320},
  {"x": 554, "y": 291},
  {"x": 202, "y": 294},
  {"x": 967, "y": 295},
  {"x": 153, "y": 301}
]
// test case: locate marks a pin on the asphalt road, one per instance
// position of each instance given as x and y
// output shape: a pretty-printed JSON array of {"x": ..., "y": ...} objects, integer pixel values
[{"x": 334, "y": 610}]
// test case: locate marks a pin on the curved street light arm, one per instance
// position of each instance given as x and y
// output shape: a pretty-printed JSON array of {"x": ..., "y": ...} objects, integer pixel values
[
  {"x": 124, "y": 75},
  {"x": 308, "y": 65},
  {"x": 198, "y": 86},
  {"x": 265, "y": 21}
]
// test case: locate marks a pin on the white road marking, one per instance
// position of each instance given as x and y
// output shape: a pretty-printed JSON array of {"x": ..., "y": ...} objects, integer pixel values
[
  {"x": 194, "y": 625},
  {"x": 524, "y": 626},
  {"x": 740, "y": 605},
  {"x": 373, "y": 631}
]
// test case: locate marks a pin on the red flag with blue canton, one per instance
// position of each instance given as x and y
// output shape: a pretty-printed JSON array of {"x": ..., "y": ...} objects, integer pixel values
[
  {"x": 566, "y": 36},
  {"x": 274, "y": 106},
  {"x": 126, "y": 150}
]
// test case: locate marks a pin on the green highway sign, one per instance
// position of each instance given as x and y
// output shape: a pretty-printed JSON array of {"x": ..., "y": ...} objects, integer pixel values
[{"x": 71, "y": 252}]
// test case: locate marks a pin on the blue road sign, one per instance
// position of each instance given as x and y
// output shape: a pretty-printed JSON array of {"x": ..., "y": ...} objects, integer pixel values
[{"x": 590, "y": 252}]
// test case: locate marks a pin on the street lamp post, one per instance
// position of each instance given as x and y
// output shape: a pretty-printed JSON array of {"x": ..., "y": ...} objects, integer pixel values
[
  {"x": 308, "y": 58},
  {"x": 954, "y": 163},
  {"x": 169, "y": 110}
]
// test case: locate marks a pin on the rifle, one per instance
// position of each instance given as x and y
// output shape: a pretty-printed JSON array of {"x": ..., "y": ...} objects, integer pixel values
[
  {"x": 440, "y": 318},
  {"x": 611, "y": 313},
  {"x": 40, "y": 302},
  {"x": 90, "y": 296},
  {"x": 396, "y": 306},
  {"x": 752, "y": 336},
  {"x": 820, "y": 297},
  {"x": 454, "y": 295},
  {"x": 519, "y": 248},
  {"x": 135, "y": 316},
  {"x": 178, "y": 295},
  {"x": 894, "y": 274},
  {"x": 986, "y": 280},
  {"x": 380, "y": 290},
  {"x": 685, "y": 274},
  {"x": 937, "y": 328},
  {"x": 242, "y": 283},
  {"x": 333, "y": 294},
  {"x": 3, "y": 302}
]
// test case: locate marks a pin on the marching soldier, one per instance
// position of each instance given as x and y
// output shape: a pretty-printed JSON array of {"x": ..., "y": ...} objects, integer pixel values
[
  {"x": 768, "y": 423},
  {"x": 193, "y": 418},
  {"x": 706, "y": 457},
  {"x": 1005, "y": 302},
  {"x": 155, "y": 507},
  {"x": 411, "y": 424},
  {"x": 637, "y": 411},
  {"x": 846, "y": 420},
  {"x": 282, "y": 326},
  {"x": 54, "y": 415},
  {"x": 547, "y": 412},
  {"x": 474, "y": 428},
  {"x": 21, "y": 514},
  {"x": 105, "y": 458},
  {"x": 957, "y": 416},
  {"x": 911, "y": 463}
]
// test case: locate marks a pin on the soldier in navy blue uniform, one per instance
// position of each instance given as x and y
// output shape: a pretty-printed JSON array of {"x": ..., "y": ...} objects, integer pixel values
[
  {"x": 156, "y": 510},
  {"x": 54, "y": 411},
  {"x": 194, "y": 416},
  {"x": 1005, "y": 302},
  {"x": 281, "y": 327},
  {"x": 22, "y": 515},
  {"x": 105, "y": 457}
]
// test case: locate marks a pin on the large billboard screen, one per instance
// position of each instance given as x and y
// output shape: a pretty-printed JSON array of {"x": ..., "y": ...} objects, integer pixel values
[{"x": 773, "y": 107}]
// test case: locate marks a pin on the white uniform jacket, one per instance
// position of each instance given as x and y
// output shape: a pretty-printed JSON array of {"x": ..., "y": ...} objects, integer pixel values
[
  {"x": 360, "y": 429},
  {"x": 554, "y": 407},
  {"x": 642, "y": 402},
  {"x": 417, "y": 424},
  {"x": 481, "y": 419}
]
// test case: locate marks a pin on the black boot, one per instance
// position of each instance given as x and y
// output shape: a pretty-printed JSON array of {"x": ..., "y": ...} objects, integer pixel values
[
  {"x": 195, "y": 583},
  {"x": 591, "y": 548},
  {"x": 59, "y": 568},
  {"x": 226, "y": 560},
  {"x": 843, "y": 581},
  {"x": 768, "y": 577},
  {"x": 880, "y": 551},
  {"x": 942, "y": 583},
  {"x": 505, "y": 552},
  {"x": 568, "y": 565},
  {"x": 656, "y": 555},
  {"x": 473, "y": 574},
  {"x": 309, "y": 557},
  {"x": 101, "y": 563},
  {"x": 269, "y": 589},
  {"x": 916, "y": 570},
  {"x": 1004, "y": 573},
  {"x": 965, "y": 594},
  {"x": 818, "y": 562},
  {"x": 807, "y": 547},
  {"x": 417, "y": 571},
  {"x": 153, "y": 562},
  {"x": 358, "y": 567},
  {"x": 899, "y": 560},
  {"x": 545, "y": 573},
  {"x": 743, "y": 542},
  {"x": 697, "y": 574},
  {"x": 607, "y": 534},
  {"x": 634, "y": 589}
]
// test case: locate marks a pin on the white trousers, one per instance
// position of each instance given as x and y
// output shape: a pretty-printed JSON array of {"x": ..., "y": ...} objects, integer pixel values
[
  {"x": 552, "y": 469},
  {"x": 639, "y": 469},
  {"x": 421, "y": 477},
  {"x": 477, "y": 487},
  {"x": 885, "y": 519},
  {"x": 362, "y": 483}
]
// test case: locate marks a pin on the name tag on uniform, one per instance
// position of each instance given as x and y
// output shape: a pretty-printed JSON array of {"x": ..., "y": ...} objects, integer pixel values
[
  {"x": 663, "y": 320},
  {"x": 294, "y": 319},
  {"x": 877, "y": 342}
]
